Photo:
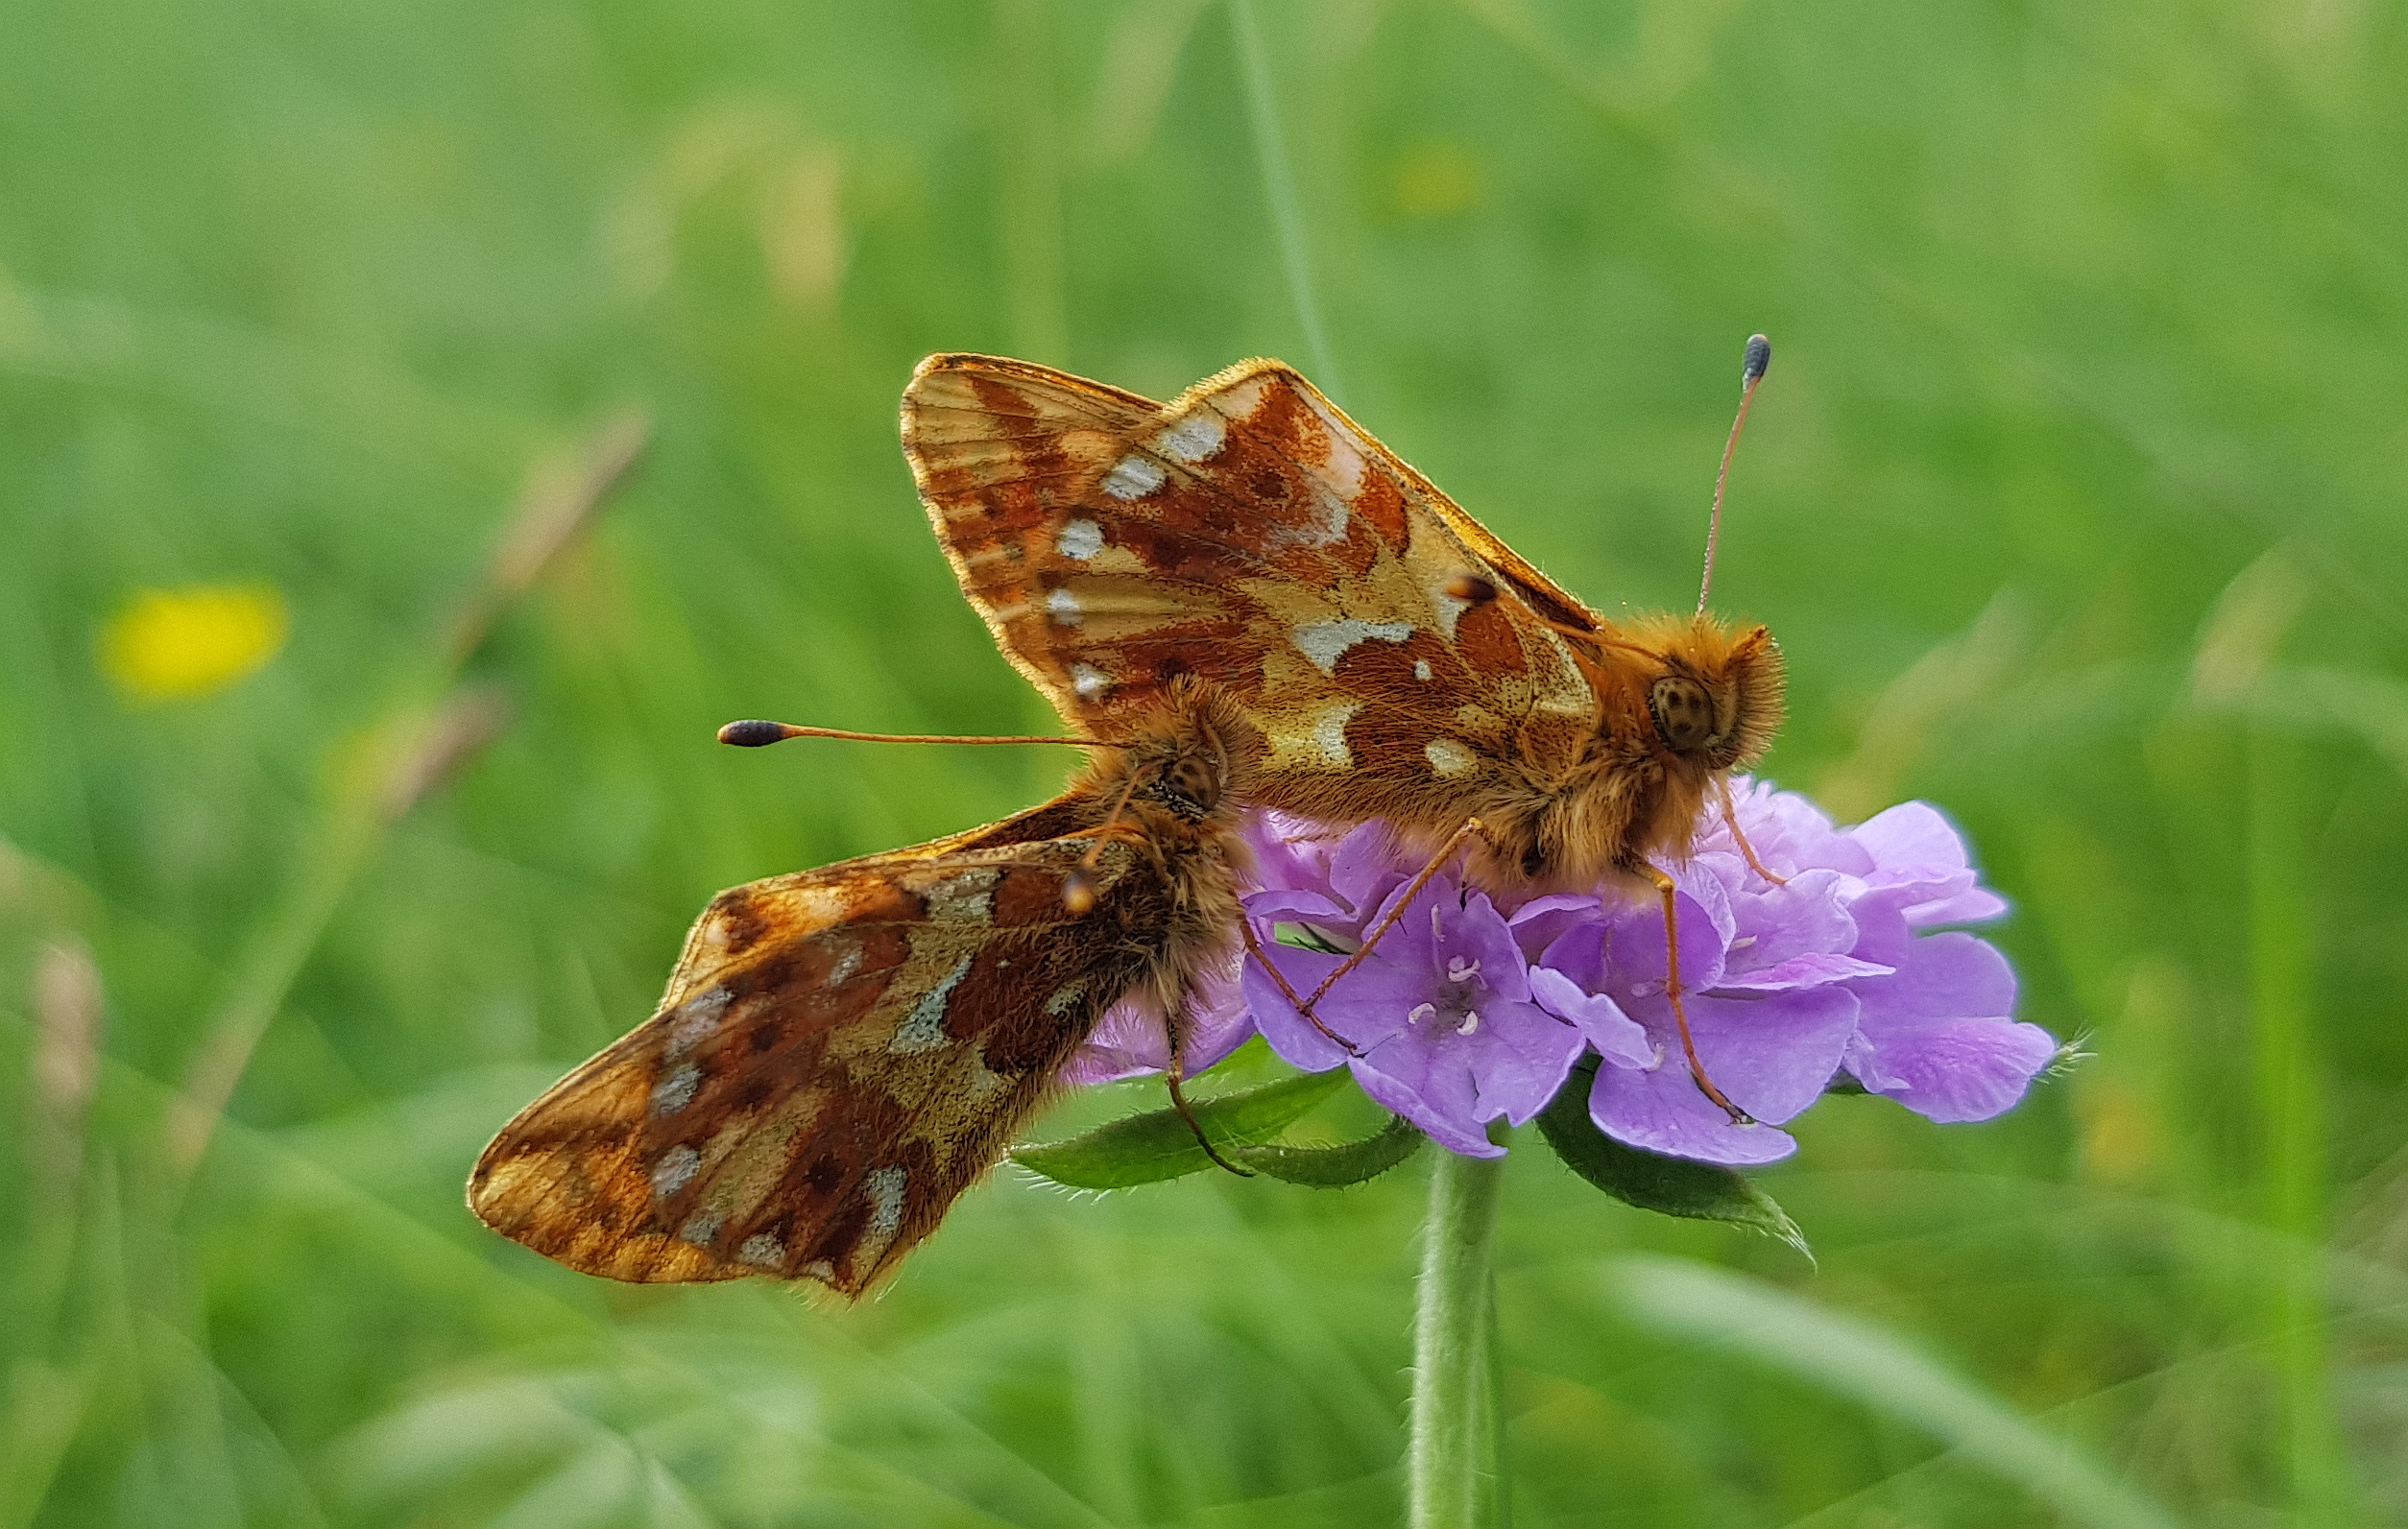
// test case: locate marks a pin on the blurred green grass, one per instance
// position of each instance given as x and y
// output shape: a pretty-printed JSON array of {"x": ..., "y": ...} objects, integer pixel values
[{"x": 2075, "y": 498}]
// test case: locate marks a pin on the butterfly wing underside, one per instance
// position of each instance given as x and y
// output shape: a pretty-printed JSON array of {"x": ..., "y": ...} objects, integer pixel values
[
  {"x": 1251, "y": 533},
  {"x": 839, "y": 1055}
]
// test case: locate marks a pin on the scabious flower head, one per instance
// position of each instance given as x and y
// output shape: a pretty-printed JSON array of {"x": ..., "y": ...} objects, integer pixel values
[
  {"x": 1466, "y": 1012},
  {"x": 1441, "y": 1017}
]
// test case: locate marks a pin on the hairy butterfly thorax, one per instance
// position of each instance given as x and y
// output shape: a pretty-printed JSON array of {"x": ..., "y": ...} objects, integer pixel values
[
  {"x": 842, "y": 1052},
  {"x": 1704, "y": 701}
]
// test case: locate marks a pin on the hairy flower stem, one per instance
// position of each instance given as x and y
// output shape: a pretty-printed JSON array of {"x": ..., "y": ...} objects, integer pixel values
[{"x": 1454, "y": 1465}]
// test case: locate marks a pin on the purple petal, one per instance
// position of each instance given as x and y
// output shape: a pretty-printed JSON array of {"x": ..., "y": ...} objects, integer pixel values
[
  {"x": 1289, "y": 853},
  {"x": 1527, "y": 1056},
  {"x": 1131, "y": 1040},
  {"x": 1543, "y": 921},
  {"x": 1373, "y": 1001},
  {"x": 1973, "y": 905},
  {"x": 1912, "y": 833},
  {"x": 1914, "y": 845},
  {"x": 1941, "y": 976},
  {"x": 1617, "y": 1036},
  {"x": 1771, "y": 1057},
  {"x": 1800, "y": 971},
  {"x": 1298, "y": 905},
  {"x": 1290, "y": 1034},
  {"x": 1434, "y": 1093},
  {"x": 1127, "y": 1042},
  {"x": 1635, "y": 947},
  {"x": 1957, "y": 1070},
  {"x": 1788, "y": 832},
  {"x": 1937, "y": 1037},
  {"x": 1366, "y": 867},
  {"x": 1450, "y": 1081},
  {"x": 1663, "y": 1112},
  {"x": 1809, "y": 916}
]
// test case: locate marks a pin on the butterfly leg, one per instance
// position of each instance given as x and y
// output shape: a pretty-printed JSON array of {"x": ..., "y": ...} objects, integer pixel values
[
  {"x": 1672, "y": 989},
  {"x": 1254, "y": 948},
  {"x": 1177, "y": 1029},
  {"x": 1730, "y": 821},
  {"x": 1396, "y": 911}
]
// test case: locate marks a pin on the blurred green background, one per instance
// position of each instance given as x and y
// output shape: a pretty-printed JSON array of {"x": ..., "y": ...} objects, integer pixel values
[{"x": 2075, "y": 498}]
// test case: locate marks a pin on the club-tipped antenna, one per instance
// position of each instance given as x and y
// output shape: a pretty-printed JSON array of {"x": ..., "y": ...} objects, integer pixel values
[
  {"x": 755, "y": 733},
  {"x": 1751, "y": 370}
]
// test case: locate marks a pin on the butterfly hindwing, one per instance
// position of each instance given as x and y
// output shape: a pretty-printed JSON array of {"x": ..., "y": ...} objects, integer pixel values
[{"x": 841, "y": 1053}]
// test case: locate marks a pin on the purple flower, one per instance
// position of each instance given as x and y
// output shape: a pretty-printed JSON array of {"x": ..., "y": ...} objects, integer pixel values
[
  {"x": 1440, "y": 1015},
  {"x": 1463, "y": 1013},
  {"x": 1131, "y": 1038}
]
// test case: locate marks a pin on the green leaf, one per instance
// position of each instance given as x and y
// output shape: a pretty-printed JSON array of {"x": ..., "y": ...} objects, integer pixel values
[
  {"x": 1158, "y": 1145},
  {"x": 1336, "y": 1167},
  {"x": 1673, "y": 1186}
]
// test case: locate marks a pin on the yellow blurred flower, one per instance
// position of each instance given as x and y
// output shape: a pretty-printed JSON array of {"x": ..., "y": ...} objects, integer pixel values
[
  {"x": 1434, "y": 180},
  {"x": 175, "y": 644}
]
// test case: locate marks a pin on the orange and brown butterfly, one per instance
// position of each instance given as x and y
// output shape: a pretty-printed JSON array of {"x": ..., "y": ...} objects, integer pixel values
[
  {"x": 1399, "y": 661},
  {"x": 842, "y": 1052}
]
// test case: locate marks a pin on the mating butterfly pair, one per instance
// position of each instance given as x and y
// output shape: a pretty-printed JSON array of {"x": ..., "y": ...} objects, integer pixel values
[{"x": 1251, "y": 604}]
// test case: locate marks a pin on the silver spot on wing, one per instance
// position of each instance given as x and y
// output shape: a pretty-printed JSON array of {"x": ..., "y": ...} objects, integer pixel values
[
  {"x": 675, "y": 1167},
  {"x": 1325, "y": 642},
  {"x": 762, "y": 1251},
  {"x": 696, "y": 1018},
  {"x": 923, "y": 1028},
  {"x": 1133, "y": 477},
  {"x": 884, "y": 1187},
  {"x": 676, "y": 1089},
  {"x": 1193, "y": 438}
]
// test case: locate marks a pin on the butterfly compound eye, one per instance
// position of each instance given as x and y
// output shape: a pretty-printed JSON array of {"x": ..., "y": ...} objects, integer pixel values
[{"x": 1684, "y": 713}]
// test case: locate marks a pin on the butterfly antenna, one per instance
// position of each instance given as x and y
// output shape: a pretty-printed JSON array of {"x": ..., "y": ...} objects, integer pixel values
[
  {"x": 755, "y": 733},
  {"x": 1751, "y": 370}
]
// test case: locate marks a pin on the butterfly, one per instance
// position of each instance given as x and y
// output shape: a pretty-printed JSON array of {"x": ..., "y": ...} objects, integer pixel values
[
  {"x": 842, "y": 1052},
  {"x": 1399, "y": 661}
]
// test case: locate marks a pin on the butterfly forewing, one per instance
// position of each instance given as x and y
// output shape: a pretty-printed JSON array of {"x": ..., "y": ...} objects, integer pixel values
[
  {"x": 1249, "y": 532},
  {"x": 840, "y": 1054}
]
